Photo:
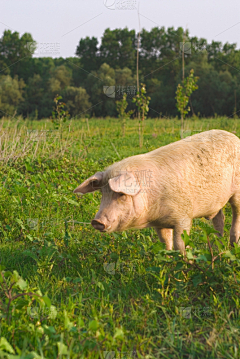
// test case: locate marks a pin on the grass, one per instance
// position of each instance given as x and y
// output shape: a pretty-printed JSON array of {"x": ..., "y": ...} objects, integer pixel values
[{"x": 93, "y": 295}]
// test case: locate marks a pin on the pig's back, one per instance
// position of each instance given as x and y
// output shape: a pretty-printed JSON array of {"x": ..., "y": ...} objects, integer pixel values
[
  {"x": 201, "y": 172},
  {"x": 209, "y": 140},
  {"x": 201, "y": 150}
]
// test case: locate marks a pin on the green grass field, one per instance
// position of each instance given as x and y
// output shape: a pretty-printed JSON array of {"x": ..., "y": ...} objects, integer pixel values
[{"x": 67, "y": 291}]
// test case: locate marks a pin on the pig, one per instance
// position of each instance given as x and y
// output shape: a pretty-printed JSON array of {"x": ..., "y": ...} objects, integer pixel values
[{"x": 170, "y": 186}]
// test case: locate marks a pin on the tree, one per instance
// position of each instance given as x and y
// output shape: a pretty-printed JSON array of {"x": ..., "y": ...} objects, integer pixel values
[
  {"x": 11, "y": 94},
  {"x": 122, "y": 114},
  {"x": 103, "y": 105},
  {"x": 118, "y": 48},
  {"x": 14, "y": 51},
  {"x": 60, "y": 79},
  {"x": 88, "y": 52},
  {"x": 33, "y": 97},
  {"x": 183, "y": 93},
  {"x": 142, "y": 102},
  {"x": 77, "y": 100}
]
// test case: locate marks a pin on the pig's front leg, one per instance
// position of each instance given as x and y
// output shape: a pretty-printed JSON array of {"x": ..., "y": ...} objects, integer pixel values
[{"x": 166, "y": 236}]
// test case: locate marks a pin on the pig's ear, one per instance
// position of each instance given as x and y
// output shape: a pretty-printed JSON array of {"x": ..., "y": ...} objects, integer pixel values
[
  {"x": 92, "y": 184},
  {"x": 125, "y": 183}
]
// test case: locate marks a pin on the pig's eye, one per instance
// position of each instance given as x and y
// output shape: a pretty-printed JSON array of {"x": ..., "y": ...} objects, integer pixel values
[{"x": 122, "y": 195}]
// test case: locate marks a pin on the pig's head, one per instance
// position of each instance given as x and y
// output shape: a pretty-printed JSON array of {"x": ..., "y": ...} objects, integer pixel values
[{"x": 123, "y": 204}]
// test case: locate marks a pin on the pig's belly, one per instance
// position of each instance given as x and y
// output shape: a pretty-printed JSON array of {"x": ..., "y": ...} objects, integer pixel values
[
  {"x": 212, "y": 189},
  {"x": 208, "y": 204}
]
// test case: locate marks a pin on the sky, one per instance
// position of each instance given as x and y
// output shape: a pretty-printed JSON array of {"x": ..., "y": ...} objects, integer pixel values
[{"x": 58, "y": 25}]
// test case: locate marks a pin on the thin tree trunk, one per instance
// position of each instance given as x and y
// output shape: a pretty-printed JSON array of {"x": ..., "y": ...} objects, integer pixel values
[
  {"x": 183, "y": 60},
  {"x": 138, "y": 42},
  {"x": 139, "y": 133},
  {"x": 191, "y": 106},
  {"x": 184, "y": 38}
]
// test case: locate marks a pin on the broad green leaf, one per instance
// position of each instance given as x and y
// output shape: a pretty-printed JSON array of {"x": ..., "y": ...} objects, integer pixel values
[
  {"x": 201, "y": 257},
  {"x": 47, "y": 301},
  {"x": 93, "y": 325},
  {"x": 21, "y": 284},
  {"x": 153, "y": 269},
  {"x": 67, "y": 323},
  {"x": 33, "y": 355},
  {"x": 52, "y": 312},
  {"x": 119, "y": 333},
  {"x": 179, "y": 266},
  {"x": 4, "y": 345},
  {"x": 185, "y": 238},
  {"x": 62, "y": 349},
  {"x": 197, "y": 279},
  {"x": 189, "y": 254},
  {"x": 100, "y": 285},
  {"x": 158, "y": 247},
  {"x": 229, "y": 255},
  {"x": 49, "y": 330}
]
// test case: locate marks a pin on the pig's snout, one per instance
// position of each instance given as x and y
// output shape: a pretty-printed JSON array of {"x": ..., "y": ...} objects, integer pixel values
[{"x": 100, "y": 226}]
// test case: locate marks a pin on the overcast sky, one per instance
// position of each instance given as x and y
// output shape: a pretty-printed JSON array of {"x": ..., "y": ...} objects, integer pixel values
[{"x": 65, "y": 22}]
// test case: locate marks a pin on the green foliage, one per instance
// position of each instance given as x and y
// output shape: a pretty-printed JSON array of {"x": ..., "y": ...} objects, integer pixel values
[
  {"x": 184, "y": 92},
  {"x": 122, "y": 114},
  {"x": 15, "y": 50},
  {"x": 60, "y": 79},
  {"x": 87, "y": 50},
  {"x": 112, "y": 63},
  {"x": 59, "y": 115},
  {"x": 11, "y": 95},
  {"x": 77, "y": 101},
  {"x": 142, "y": 102}
]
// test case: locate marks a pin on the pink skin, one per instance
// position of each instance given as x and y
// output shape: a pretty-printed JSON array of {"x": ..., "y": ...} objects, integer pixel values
[
  {"x": 121, "y": 207},
  {"x": 118, "y": 212}
]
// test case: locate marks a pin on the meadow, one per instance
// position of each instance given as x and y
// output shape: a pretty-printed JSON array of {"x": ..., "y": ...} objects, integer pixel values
[{"x": 68, "y": 291}]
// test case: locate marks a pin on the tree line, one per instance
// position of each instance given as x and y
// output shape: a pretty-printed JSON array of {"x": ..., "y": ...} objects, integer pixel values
[{"x": 28, "y": 84}]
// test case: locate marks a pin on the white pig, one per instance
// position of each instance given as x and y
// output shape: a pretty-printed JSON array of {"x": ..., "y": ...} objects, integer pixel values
[{"x": 168, "y": 187}]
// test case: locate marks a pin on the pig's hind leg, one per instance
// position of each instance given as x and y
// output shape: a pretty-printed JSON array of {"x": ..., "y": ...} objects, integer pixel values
[
  {"x": 182, "y": 225},
  {"x": 235, "y": 229},
  {"x": 166, "y": 236},
  {"x": 218, "y": 223}
]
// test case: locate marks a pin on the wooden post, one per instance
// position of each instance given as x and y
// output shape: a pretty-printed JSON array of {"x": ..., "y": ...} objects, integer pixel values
[
  {"x": 235, "y": 111},
  {"x": 138, "y": 44},
  {"x": 87, "y": 125},
  {"x": 139, "y": 132}
]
